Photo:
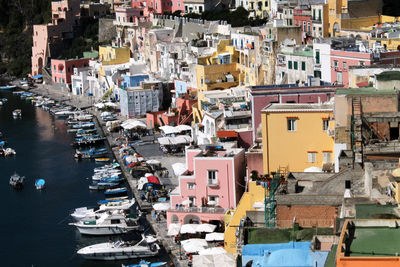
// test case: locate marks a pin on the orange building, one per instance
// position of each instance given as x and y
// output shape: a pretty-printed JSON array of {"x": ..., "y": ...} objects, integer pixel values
[{"x": 369, "y": 243}]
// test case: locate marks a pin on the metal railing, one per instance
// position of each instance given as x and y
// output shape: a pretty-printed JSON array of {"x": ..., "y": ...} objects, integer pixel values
[{"x": 199, "y": 209}]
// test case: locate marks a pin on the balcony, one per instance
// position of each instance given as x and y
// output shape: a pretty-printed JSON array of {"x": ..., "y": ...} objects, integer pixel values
[{"x": 198, "y": 209}]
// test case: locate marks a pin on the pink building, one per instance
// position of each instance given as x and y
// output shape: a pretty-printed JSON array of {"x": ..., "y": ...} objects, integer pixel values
[
  {"x": 62, "y": 69},
  {"x": 160, "y": 6},
  {"x": 48, "y": 38},
  {"x": 342, "y": 59},
  {"x": 126, "y": 15},
  {"x": 213, "y": 183}
]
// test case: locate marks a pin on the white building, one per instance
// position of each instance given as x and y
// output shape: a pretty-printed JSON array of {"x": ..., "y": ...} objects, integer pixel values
[
  {"x": 322, "y": 59},
  {"x": 137, "y": 101}
]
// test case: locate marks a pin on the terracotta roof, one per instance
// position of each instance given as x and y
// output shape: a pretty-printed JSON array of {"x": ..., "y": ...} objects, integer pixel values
[{"x": 226, "y": 134}]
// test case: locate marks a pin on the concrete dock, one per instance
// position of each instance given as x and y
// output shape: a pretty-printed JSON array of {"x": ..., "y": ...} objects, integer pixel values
[{"x": 148, "y": 150}]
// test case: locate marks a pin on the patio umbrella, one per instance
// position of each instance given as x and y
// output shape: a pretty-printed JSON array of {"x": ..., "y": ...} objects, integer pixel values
[
  {"x": 161, "y": 206},
  {"x": 186, "y": 202},
  {"x": 174, "y": 229},
  {"x": 211, "y": 202},
  {"x": 99, "y": 105},
  {"x": 212, "y": 251},
  {"x": 189, "y": 228},
  {"x": 193, "y": 245},
  {"x": 111, "y": 104},
  {"x": 153, "y": 179},
  {"x": 206, "y": 227},
  {"x": 179, "y": 168},
  {"x": 153, "y": 161},
  {"x": 215, "y": 237},
  {"x": 203, "y": 260}
]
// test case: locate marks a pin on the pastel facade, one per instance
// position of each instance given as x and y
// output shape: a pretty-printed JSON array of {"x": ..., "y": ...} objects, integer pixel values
[
  {"x": 62, "y": 69},
  {"x": 48, "y": 38},
  {"x": 320, "y": 13},
  {"x": 341, "y": 60},
  {"x": 85, "y": 82},
  {"x": 110, "y": 55},
  {"x": 303, "y": 19},
  {"x": 295, "y": 136},
  {"x": 212, "y": 175}
]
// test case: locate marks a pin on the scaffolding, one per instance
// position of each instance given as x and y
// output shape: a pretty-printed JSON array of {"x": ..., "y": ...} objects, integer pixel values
[{"x": 271, "y": 185}]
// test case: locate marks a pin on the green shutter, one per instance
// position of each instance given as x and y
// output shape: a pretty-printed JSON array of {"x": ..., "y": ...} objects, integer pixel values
[
  {"x": 313, "y": 14},
  {"x": 319, "y": 15},
  {"x": 295, "y": 65},
  {"x": 317, "y": 56},
  {"x": 290, "y": 65},
  {"x": 303, "y": 65}
]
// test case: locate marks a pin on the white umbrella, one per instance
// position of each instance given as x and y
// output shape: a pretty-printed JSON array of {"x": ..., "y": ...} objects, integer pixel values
[
  {"x": 110, "y": 104},
  {"x": 153, "y": 161},
  {"x": 194, "y": 244},
  {"x": 99, "y": 105},
  {"x": 179, "y": 168},
  {"x": 186, "y": 202},
  {"x": 139, "y": 124},
  {"x": 148, "y": 174},
  {"x": 211, "y": 202},
  {"x": 174, "y": 229},
  {"x": 189, "y": 228},
  {"x": 224, "y": 260},
  {"x": 206, "y": 227},
  {"x": 105, "y": 113},
  {"x": 161, "y": 206},
  {"x": 212, "y": 251},
  {"x": 203, "y": 260},
  {"x": 215, "y": 237}
]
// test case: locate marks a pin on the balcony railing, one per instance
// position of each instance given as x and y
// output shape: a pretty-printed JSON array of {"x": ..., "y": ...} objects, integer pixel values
[{"x": 199, "y": 209}]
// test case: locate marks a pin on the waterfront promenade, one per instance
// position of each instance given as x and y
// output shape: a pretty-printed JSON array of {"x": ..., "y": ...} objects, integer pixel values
[{"x": 177, "y": 255}]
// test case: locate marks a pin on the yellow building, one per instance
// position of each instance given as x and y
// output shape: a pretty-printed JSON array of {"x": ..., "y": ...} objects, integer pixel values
[
  {"x": 110, "y": 55},
  {"x": 255, "y": 194},
  {"x": 296, "y": 136},
  {"x": 215, "y": 72}
]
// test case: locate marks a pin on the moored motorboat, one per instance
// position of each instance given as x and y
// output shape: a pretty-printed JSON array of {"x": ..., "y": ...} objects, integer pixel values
[
  {"x": 120, "y": 250},
  {"x": 17, "y": 113},
  {"x": 103, "y": 186},
  {"x": 40, "y": 183},
  {"x": 17, "y": 181},
  {"x": 109, "y": 223},
  {"x": 102, "y": 159},
  {"x": 7, "y": 87},
  {"x": 121, "y": 191},
  {"x": 144, "y": 263}
]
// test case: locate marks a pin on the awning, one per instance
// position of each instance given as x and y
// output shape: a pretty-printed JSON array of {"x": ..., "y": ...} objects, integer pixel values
[
  {"x": 249, "y": 46},
  {"x": 37, "y": 76},
  {"x": 226, "y": 134}
]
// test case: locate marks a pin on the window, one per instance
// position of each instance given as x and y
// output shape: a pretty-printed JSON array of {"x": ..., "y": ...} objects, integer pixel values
[
  {"x": 214, "y": 198},
  {"x": 325, "y": 124},
  {"x": 304, "y": 26},
  {"x": 344, "y": 65},
  {"x": 335, "y": 63},
  {"x": 290, "y": 65},
  {"x": 362, "y": 63},
  {"x": 326, "y": 157},
  {"x": 319, "y": 14},
  {"x": 295, "y": 65},
  {"x": 193, "y": 201},
  {"x": 191, "y": 186},
  {"x": 308, "y": 26},
  {"x": 313, "y": 14},
  {"x": 312, "y": 157},
  {"x": 339, "y": 78},
  {"x": 200, "y": 9},
  {"x": 317, "y": 58},
  {"x": 212, "y": 177},
  {"x": 303, "y": 65},
  {"x": 291, "y": 124},
  {"x": 266, "y": 3}
]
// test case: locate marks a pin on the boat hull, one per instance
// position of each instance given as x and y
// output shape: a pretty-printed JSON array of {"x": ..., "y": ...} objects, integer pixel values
[{"x": 104, "y": 230}]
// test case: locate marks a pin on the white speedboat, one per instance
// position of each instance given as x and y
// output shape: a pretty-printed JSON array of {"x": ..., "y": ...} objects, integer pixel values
[
  {"x": 120, "y": 250},
  {"x": 109, "y": 223},
  {"x": 85, "y": 214}
]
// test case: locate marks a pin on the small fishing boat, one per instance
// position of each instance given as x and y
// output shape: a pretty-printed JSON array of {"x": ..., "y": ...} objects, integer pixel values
[
  {"x": 121, "y": 191},
  {"x": 17, "y": 181},
  {"x": 90, "y": 153},
  {"x": 106, "y": 174},
  {"x": 120, "y": 250},
  {"x": 7, "y": 87},
  {"x": 4, "y": 100},
  {"x": 115, "y": 199},
  {"x": 112, "y": 179},
  {"x": 39, "y": 183},
  {"x": 144, "y": 263},
  {"x": 9, "y": 152},
  {"x": 102, "y": 159},
  {"x": 103, "y": 186},
  {"x": 17, "y": 114}
]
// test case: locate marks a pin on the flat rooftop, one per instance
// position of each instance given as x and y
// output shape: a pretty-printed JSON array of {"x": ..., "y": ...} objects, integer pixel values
[
  {"x": 375, "y": 242},
  {"x": 290, "y": 107},
  {"x": 364, "y": 91}
]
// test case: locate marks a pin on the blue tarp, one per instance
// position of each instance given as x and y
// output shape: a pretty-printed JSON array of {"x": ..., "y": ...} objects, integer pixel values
[
  {"x": 283, "y": 254},
  {"x": 37, "y": 76}
]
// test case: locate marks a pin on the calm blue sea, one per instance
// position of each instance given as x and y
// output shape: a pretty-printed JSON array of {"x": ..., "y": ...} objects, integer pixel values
[{"x": 34, "y": 228}]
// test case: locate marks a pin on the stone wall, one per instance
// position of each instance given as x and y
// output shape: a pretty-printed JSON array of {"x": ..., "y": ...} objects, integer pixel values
[{"x": 107, "y": 30}]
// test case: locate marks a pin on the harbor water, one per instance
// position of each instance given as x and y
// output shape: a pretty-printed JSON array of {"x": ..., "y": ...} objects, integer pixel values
[{"x": 34, "y": 226}]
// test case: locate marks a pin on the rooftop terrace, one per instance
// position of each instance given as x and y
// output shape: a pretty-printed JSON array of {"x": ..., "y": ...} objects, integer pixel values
[{"x": 364, "y": 91}]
